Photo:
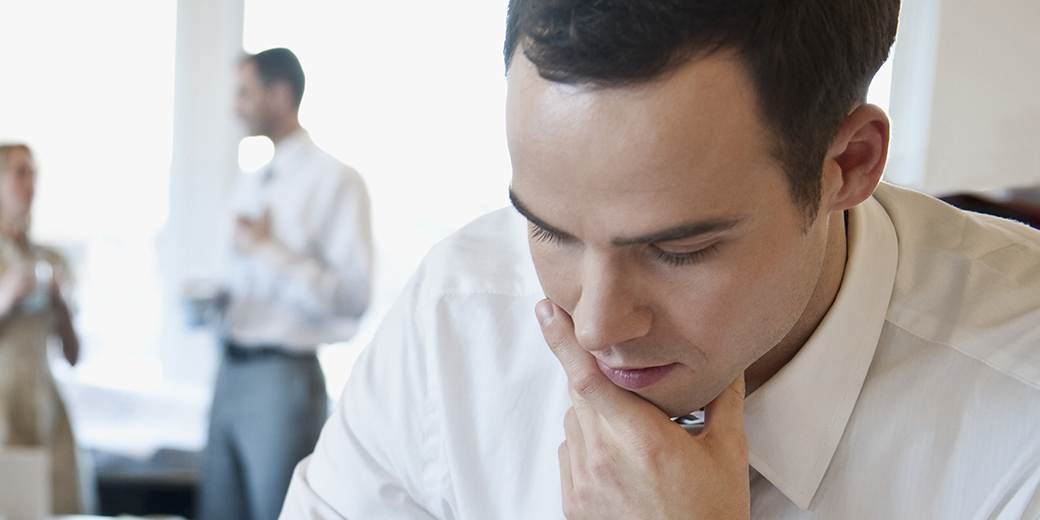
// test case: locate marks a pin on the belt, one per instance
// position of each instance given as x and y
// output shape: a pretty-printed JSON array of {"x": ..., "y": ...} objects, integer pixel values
[{"x": 236, "y": 352}]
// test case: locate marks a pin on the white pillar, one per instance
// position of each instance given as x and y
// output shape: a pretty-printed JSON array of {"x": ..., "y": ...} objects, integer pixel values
[{"x": 205, "y": 157}]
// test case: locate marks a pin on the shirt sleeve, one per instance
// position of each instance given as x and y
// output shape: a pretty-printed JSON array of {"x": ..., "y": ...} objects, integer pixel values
[
  {"x": 334, "y": 280},
  {"x": 377, "y": 454}
]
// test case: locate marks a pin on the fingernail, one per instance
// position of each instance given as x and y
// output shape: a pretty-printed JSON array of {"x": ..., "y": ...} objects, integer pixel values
[{"x": 544, "y": 311}]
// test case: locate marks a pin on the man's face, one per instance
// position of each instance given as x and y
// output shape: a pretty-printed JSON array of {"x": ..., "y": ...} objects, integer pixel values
[
  {"x": 17, "y": 184},
  {"x": 663, "y": 225},
  {"x": 254, "y": 102}
]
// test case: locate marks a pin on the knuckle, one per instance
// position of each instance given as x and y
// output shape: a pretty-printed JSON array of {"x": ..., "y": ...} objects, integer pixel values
[
  {"x": 601, "y": 469},
  {"x": 601, "y": 466},
  {"x": 578, "y": 498},
  {"x": 585, "y": 496},
  {"x": 585, "y": 384},
  {"x": 648, "y": 450},
  {"x": 552, "y": 339},
  {"x": 736, "y": 392}
]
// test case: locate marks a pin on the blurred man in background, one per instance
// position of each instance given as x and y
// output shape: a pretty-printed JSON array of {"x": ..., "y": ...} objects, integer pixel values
[{"x": 299, "y": 277}]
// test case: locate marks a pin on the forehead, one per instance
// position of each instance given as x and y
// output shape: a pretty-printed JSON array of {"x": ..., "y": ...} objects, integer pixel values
[{"x": 687, "y": 145}]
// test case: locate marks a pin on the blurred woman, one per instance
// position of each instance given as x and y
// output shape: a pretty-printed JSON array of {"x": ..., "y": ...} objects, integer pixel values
[{"x": 33, "y": 308}]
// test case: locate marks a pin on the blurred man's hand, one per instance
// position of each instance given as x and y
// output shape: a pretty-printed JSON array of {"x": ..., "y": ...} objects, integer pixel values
[{"x": 250, "y": 233}]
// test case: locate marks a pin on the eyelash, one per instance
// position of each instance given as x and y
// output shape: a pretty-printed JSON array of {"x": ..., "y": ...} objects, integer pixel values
[
  {"x": 681, "y": 259},
  {"x": 543, "y": 235},
  {"x": 675, "y": 259}
]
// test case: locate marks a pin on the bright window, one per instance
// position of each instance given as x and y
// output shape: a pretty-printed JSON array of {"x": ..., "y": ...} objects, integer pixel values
[
  {"x": 92, "y": 94},
  {"x": 89, "y": 86}
]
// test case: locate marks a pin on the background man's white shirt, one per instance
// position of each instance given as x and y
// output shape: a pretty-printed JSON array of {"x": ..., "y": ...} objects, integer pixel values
[
  {"x": 917, "y": 397},
  {"x": 312, "y": 284}
]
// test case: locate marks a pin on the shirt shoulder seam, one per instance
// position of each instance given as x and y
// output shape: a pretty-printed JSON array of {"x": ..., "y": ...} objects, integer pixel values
[{"x": 1001, "y": 370}]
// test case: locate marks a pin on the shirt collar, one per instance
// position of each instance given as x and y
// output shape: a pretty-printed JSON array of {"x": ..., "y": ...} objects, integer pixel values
[{"x": 795, "y": 420}]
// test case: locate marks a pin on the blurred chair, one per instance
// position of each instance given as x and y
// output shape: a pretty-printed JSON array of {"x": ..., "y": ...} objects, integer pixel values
[{"x": 1021, "y": 206}]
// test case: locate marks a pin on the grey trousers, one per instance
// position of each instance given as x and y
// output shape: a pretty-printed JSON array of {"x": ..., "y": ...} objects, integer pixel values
[{"x": 268, "y": 410}]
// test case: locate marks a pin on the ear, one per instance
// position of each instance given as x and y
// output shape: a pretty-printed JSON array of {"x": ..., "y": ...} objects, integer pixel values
[{"x": 856, "y": 158}]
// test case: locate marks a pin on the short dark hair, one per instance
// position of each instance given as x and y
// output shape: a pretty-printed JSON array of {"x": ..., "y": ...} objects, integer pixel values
[
  {"x": 280, "y": 64},
  {"x": 811, "y": 61}
]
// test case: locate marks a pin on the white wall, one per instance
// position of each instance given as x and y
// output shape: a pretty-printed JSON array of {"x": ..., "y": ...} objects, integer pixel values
[{"x": 965, "y": 100}]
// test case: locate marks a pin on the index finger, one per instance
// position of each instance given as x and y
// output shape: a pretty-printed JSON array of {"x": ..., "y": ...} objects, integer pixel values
[{"x": 583, "y": 373}]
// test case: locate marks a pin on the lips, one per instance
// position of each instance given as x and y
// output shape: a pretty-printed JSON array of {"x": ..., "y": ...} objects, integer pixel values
[{"x": 636, "y": 378}]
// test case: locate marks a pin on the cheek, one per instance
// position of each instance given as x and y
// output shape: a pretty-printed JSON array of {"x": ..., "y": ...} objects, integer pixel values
[
  {"x": 9, "y": 190},
  {"x": 745, "y": 304},
  {"x": 706, "y": 306},
  {"x": 778, "y": 291},
  {"x": 247, "y": 108}
]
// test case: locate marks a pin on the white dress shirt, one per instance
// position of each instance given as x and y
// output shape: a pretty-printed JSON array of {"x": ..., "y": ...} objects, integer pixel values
[
  {"x": 918, "y": 397},
  {"x": 311, "y": 283}
]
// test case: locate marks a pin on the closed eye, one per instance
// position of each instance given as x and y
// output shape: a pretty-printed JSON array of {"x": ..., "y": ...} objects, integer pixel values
[
  {"x": 540, "y": 234},
  {"x": 685, "y": 258}
]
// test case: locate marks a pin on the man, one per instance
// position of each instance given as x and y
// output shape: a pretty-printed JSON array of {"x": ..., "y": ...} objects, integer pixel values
[
  {"x": 698, "y": 186},
  {"x": 299, "y": 277}
]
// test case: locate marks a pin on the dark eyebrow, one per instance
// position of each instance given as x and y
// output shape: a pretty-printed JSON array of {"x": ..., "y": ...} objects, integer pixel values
[
  {"x": 520, "y": 208},
  {"x": 679, "y": 232}
]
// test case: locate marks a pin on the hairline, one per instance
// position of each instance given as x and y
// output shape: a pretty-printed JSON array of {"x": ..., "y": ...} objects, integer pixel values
[{"x": 683, "y": 56}]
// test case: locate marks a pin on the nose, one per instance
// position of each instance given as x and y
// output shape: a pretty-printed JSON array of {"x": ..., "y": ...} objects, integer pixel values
[{"x": 611, "y": 308}]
